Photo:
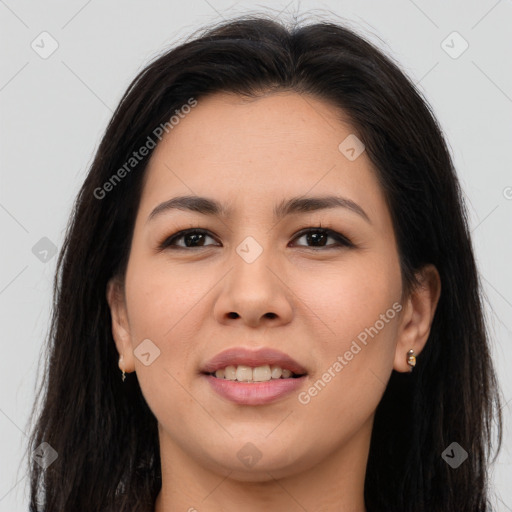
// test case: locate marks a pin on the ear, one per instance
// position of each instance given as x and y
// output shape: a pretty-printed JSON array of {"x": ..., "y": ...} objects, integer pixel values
[
  {"x": 417, "y": 317},
  {"x": 120, "y": 325}
]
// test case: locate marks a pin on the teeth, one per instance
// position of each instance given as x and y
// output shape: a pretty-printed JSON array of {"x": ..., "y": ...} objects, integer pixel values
[
  {"x": 261, "y": 373},
  {"x": 243, "y": 373},
  {"x": 276, "y": 372},
  {"x": 230, "y": 373}
]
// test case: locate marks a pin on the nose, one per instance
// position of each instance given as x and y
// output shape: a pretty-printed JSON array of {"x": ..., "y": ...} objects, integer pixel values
[{"x": 254, "y": 294}]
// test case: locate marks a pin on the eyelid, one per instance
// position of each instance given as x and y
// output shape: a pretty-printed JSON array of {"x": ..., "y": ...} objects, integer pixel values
[
  {"x": 342, "y": 240},
  {"x": 165, "y": 243}
]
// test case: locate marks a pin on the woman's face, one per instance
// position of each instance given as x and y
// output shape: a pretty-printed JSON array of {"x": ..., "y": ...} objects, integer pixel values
[{"x": 254, "y": 280}]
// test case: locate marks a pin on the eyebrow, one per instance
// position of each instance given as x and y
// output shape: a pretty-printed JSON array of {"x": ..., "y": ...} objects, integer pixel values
[{"x": 295, "y": 205}]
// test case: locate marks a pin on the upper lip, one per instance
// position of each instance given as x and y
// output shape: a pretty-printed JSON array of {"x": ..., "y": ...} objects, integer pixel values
[{"x": 251, "y": 357}]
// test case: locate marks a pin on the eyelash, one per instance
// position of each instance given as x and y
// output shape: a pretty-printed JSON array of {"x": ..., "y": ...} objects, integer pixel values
[{"x": 342, "y": 241}]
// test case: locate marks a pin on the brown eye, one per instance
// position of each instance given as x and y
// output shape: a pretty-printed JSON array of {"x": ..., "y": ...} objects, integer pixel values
[
  {"x": 318, "y": 237},
  {"x": 192, "y": 238}
]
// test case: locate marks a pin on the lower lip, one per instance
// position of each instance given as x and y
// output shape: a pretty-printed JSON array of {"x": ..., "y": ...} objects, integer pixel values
[{"x": 254, "y": 393}]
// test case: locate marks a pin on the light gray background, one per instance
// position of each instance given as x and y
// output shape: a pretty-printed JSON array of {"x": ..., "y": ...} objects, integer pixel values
[{"x": 54, "y": 111}]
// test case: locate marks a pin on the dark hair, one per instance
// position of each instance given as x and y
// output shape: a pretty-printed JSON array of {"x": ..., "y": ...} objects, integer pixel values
[{"x": 103, "y": 430}]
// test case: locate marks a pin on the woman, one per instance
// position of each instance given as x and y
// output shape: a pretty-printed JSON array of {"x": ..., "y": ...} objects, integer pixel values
[{"x": 211, "y": 348}]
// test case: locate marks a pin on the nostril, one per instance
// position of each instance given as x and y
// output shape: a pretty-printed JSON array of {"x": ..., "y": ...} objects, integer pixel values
[
  {"x": 270, "y": 315},
  {"x": 233, "y": 315}
]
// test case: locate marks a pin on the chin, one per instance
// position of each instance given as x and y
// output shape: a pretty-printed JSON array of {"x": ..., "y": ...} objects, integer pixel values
[{"x": 253, "y": 464}]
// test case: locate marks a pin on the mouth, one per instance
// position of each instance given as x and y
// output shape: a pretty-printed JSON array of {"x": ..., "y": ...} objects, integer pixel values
[
  {"x": 248, "y": 374},
  {"x": 253, "y": 377}
]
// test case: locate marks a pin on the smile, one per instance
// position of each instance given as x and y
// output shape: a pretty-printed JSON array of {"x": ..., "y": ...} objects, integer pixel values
[{"x": 244, "y": 373}]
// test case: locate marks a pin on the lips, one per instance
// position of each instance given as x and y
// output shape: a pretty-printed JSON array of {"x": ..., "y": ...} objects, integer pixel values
[
  {"x": 255, "y": 393},
  {"x": 254, "y": 358}
]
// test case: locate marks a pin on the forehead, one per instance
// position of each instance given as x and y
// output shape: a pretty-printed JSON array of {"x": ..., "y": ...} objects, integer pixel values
[
  {"x": 249, "y": 127},
  {"x": 276, "y": 146}
]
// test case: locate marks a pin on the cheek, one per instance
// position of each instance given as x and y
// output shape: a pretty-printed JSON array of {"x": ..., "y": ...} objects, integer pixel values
[
  {"x": 164, "y": 305},
  {"x": 349, "y": 295},
  {"x": 159, "y": 294},
  {"x": 355, "y": 354},
  {"x": 355, "y": 318}
]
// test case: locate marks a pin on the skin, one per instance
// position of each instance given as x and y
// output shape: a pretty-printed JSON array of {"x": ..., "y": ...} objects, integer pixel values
[{"x": 250, "y": 155}]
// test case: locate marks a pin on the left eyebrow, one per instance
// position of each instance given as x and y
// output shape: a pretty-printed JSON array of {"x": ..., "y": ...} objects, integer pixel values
[{"x": 295, "y": 205}]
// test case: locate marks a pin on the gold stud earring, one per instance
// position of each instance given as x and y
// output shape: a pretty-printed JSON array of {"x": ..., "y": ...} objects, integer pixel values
[
  {"x": 411, "y": 359},
  {"x": 124, "y": 375}
]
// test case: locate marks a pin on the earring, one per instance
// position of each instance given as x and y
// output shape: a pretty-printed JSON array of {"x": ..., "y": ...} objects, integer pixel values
[
  {"x": 411, "y": 359},
  {"x": 124, "y": 375}
]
